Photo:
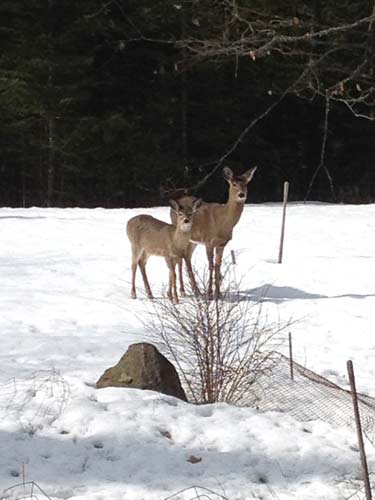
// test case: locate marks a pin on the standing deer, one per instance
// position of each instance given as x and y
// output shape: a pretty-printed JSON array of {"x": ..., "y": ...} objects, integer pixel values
[
  {"x": 213, "y": 226},
  {"x": 149, "y": 236}
]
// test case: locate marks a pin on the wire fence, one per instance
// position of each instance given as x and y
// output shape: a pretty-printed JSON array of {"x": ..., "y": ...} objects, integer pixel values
[
  {"x": 34, "y": 401},
  {"x": 308, "y": 396},
  {"x": 196, "y": 493},
  {"x": 25, "y": 491}
]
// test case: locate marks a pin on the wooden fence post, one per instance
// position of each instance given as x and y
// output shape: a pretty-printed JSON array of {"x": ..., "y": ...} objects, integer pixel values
[
  {"x": 286, "y": 189},
  {"x": 357, "y": 417}
]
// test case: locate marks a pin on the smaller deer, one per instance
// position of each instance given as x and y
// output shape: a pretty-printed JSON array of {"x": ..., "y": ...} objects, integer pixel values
[{"x": 149, "y": 236}]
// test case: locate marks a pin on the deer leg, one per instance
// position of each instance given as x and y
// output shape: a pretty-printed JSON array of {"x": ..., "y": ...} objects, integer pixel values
[
  {"x": 174, "y": 282},
  {"x": 142, "y": 266},
  {"x": 218, "y": 258},
  {"x": 193, "y": 283},
  {"x": 172, "y": 289},
  {"x": 180, "y": 277},
  {"x": 135, "y": 258},
  {"x": 210, "y": 257},
  {"x": 134, "y": 271},
  {"x": 188, "y": 255}
]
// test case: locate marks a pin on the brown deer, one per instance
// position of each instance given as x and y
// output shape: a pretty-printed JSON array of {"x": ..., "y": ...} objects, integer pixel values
[
  {"x": 149, "y": 236},
  {"x": 213, "y": 226}
]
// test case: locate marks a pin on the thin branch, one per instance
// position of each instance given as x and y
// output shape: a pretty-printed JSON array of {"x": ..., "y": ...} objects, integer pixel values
[{"x": 322, "y": 155}]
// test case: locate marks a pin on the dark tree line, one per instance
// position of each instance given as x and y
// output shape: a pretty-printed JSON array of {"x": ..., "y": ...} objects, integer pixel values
[{"x": 129, "y": 102}]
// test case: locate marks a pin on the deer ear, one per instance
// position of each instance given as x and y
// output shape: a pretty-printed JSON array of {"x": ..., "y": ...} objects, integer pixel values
[
  {"x": 174, "y": 205},
  {"x": 248, "y": 175},
  {"x": 197, "y": 203},
  {"x": 227, "y": 174}
]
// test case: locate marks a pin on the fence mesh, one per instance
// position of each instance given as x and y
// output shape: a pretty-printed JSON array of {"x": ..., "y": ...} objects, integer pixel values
[
  {"x": 25, "y": 491},
  {"x": 34, "y": 401},
  {"x": 196, "y": 493},
  {"x": 309, "y": 396}
]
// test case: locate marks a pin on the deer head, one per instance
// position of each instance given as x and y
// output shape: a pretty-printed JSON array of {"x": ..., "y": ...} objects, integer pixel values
[
  {"x": 184, "y": 214},
  {"x": 238, "y": 183}
]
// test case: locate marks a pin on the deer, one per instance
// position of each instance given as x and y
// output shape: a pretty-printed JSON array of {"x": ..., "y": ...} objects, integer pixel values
[
  {"x": 213, "y": 227},
  {"x": 150, "y": 236}
]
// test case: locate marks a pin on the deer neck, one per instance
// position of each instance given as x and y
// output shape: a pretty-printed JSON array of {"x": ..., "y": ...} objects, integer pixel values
[
  {"x": 232, "y": 213},
  {"x": 181, "y": 238}
]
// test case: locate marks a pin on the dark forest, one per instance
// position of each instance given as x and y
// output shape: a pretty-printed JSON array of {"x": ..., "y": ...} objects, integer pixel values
[{"x": 126, "y": 103}]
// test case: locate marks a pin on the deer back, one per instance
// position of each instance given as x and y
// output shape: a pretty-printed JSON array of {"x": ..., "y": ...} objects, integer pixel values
[{"x": 155, "y": 237}]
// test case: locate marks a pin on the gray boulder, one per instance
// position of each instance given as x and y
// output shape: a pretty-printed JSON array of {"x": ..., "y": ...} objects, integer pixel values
[{"x": 144, "y": 367}]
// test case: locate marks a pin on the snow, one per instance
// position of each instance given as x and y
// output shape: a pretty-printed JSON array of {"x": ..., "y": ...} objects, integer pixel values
[{"x": 66, "y": 312}]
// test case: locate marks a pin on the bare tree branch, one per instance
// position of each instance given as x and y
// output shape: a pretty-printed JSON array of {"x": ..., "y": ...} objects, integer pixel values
[{"x": 322, "y": 156}]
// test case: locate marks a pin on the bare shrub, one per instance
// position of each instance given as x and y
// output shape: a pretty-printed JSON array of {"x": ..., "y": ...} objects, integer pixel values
[{"x": 220, "y": 347}]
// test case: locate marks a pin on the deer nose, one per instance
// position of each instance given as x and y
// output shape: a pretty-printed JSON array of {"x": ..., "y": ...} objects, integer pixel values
[
  {"x": 186, "y": 221},
  {"x": 241, "y": 195}
]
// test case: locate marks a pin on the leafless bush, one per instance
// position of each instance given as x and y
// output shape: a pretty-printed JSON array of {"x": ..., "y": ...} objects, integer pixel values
[
  {"x": 220, "y": 347},
  {"x": 36, "y": 400}
]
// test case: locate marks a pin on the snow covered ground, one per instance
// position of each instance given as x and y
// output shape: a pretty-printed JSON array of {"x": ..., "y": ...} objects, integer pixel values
[{"x": 65, "y": 305}]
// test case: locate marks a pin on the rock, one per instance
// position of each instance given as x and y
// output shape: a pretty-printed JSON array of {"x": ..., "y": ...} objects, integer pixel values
[{"x": 144, "y": 367}]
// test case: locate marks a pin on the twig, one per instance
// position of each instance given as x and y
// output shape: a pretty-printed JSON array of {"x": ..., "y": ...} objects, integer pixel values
[{"x": 322, "y": 155}]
